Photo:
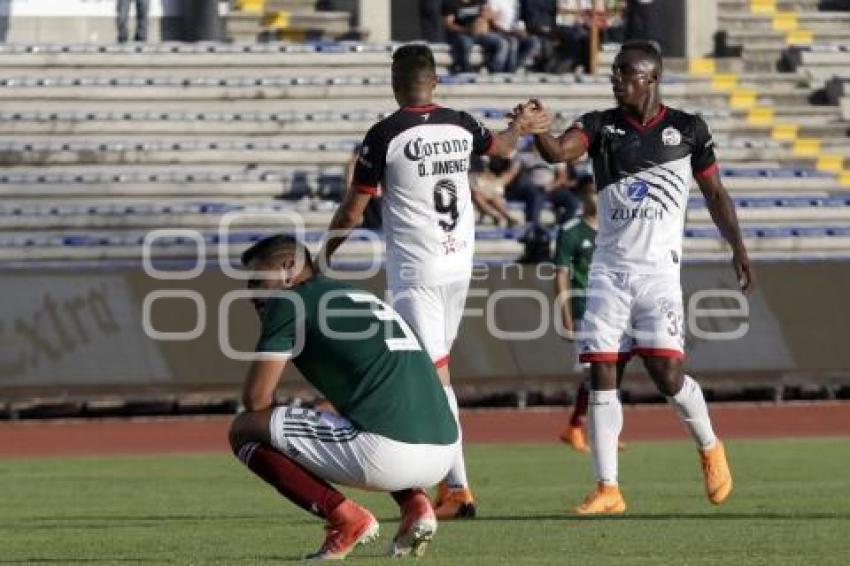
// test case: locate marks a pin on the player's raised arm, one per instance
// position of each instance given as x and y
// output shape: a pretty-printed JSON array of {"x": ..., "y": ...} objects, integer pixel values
[{"x": 722, "y": 211}]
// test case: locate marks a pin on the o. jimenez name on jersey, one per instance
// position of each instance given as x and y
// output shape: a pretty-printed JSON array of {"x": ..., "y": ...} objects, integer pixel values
[{"x": 431, "y": 156}]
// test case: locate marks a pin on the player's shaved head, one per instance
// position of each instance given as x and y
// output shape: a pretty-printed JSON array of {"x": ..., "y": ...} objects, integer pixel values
[
  {"x": 275, "y": 250},
  {"x": 414, "y": 73},
  {"x": 645, "y": 53}
]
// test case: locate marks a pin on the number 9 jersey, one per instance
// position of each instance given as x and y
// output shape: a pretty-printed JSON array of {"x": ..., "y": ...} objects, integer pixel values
[{"x": 420, "y": 157}]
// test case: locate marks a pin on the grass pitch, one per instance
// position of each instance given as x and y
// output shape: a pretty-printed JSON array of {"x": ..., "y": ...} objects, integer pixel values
[{"x": 791, "y": 505}]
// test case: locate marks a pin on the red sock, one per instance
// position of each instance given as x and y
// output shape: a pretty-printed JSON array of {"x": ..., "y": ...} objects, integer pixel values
[
  {"x": 580, "y": 406},
  {"x": 290, "y": 479}
]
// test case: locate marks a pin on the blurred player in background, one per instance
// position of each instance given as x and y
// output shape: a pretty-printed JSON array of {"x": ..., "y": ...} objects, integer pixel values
[
  {"x": 420, "y": 158},
  {"x": 573, "y": 254},
  {"x": 393, "y": 430},
  {"x": 644, "y": 155}
]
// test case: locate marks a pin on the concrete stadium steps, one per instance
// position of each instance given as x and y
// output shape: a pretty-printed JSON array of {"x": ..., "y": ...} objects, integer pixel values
[
  {"x": 15, "y": 93},
  {"x": 491, "y": 244},
  {"x": 727, "y": 6},
  {"x": 270, "y": 124},
  {"x": 38, "y": 218},
  {"x": 813, "y": 20},
  {"x": 178, "y": 55},
  {"x": 380, "y": 72},
  {"x": 567, "y": 106},
  {"x": 48, "y": 121},
  {"x": 40, "y": 147},
  {"x": 755, "y": 40},
  {"x": 128, "y": 182},
  {"x": 270, "y": 151}
]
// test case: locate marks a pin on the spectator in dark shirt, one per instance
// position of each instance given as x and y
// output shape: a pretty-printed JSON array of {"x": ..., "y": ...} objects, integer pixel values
[
  {"x": 539, "y": 19},
  {"x": 431, "y": 20},
  {"x": 468, "y": 22},
  {"x": 525, "y": 48},
  {"x": 643, "y": 20}
]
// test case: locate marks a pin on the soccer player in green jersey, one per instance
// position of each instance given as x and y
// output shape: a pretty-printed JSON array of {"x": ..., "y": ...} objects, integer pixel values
[
  {"x": 573, "y": 253},
  {"x": 395, "y": 431}
]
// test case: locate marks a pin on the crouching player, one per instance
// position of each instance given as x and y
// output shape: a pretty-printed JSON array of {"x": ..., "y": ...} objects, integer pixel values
[{"x": 395, "y": 431}]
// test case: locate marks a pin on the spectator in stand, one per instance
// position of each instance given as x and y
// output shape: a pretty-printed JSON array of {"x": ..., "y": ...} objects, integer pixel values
[
  {"x": 488, "y": 188},
  {"x": 535, "y": 180},
  {"x": 468, "y": 23},
  {"x": 572, "y": 33},
  {"x": 538, "y": 17},
  {"x": 643, "y": 20},
  {"x": 524, "y": 48},
  {"x": 561, "y": 194},
  {"x": 141, "y": 20},
  {"x": 431, "y": 20}
]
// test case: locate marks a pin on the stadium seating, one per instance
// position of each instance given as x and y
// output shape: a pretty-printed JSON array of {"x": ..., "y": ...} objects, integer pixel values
[{"x": 102, "y": 143}]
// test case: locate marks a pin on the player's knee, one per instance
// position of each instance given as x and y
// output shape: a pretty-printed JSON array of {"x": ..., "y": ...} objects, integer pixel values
[
  {"x": 239, "y": 433},
  {"x": 603, "y": 375},
  {"x": 666, "y": 373}
]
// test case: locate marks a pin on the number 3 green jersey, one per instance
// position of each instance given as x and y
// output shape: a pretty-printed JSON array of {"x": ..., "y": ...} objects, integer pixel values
[{"x": 363, "y": 357}]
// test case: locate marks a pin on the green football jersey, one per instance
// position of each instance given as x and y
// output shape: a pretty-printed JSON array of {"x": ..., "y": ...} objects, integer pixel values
[
  {"x": 574, "y": 250},
  {"x": 362, "y": 356}
]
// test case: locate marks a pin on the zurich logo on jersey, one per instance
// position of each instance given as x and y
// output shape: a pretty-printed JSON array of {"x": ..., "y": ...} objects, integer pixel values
[{"x": 637, "y": 191}]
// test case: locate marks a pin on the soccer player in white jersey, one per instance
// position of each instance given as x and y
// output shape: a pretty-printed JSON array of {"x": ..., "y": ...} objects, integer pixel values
[
  {"x": 644, "y": 155},
  {"x": 420, "y": 157}
]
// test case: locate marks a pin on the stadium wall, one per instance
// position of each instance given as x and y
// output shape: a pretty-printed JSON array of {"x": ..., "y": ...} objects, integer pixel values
[{"x": 80, "y": 334}]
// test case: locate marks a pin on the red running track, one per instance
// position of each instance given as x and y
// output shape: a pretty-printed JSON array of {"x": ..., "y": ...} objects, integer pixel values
[{"x": 182, "y": 435}]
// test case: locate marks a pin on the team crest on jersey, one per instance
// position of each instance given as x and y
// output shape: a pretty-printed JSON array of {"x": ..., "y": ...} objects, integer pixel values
[{"x": 671, "y": 136}]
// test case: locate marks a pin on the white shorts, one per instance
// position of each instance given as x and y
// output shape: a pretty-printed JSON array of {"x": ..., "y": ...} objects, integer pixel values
[
  {"x": 434, "y": 313},
  {"x": 632, "y": 314},
  {"x": 332, "y": 448}
]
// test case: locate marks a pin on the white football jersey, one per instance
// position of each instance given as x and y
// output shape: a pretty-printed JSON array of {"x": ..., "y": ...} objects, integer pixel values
[
  {"x": 420, "y": 157},
  {"x": 643, "y": 175}
]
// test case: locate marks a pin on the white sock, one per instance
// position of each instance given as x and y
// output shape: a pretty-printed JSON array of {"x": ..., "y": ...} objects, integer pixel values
[
  {"x": 604, "y": 423},
  {"x": 456, "y": 479},
  {"x": 690, "y": 404}
]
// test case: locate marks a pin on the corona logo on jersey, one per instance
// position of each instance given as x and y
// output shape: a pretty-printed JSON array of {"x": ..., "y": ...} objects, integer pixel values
[{"x": 417, "y": 148}]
